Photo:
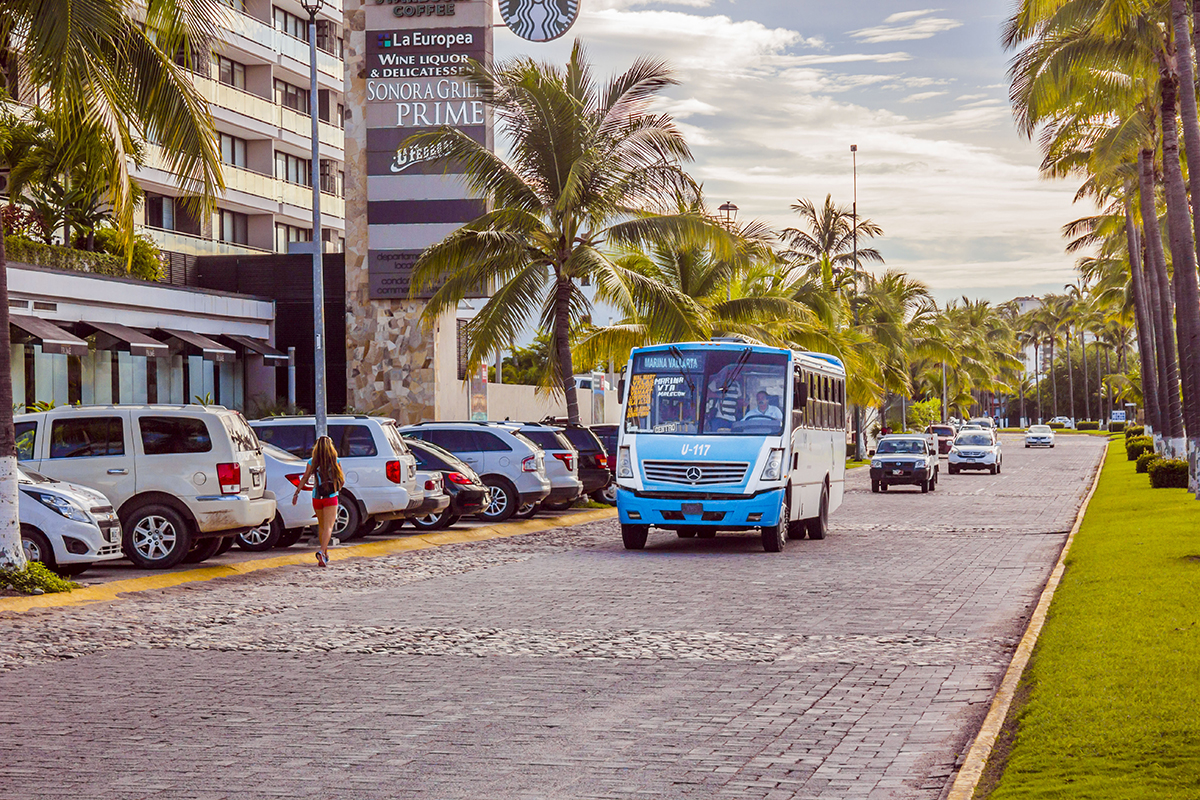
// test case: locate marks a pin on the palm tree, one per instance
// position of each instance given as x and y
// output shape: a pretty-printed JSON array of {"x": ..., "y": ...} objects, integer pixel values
[
  {"x": 588, "y": 167},
  {"x": 96, "y": 63},
  {"x": 829, "y": 238}
]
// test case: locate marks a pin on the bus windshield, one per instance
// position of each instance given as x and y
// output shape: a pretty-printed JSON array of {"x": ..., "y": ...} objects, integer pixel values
[{"x": 715, "y": 392}]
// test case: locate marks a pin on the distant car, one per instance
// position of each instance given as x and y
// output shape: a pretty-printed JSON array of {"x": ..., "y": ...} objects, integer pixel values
[
  {"x": 971, "y": 426},
  {"x": 975, "y": 449},
  {"x": 467, "y": 493},
  {"x": 983, "y": 422},
  {"x": 436, "y": 499},
  {"x": 904, "y": 459},
  {"x": 608, "y": 434},
  {"x": 284, "y": 472},
  {"x": 594, "y": 468},
  {"x": 66, "y": 527},
  {"x": 1039, "y": 436},
  {"x": 562, "y": 466},
  {"x": 945, "y": 437},
  {"x": 1066, "y": 422}
]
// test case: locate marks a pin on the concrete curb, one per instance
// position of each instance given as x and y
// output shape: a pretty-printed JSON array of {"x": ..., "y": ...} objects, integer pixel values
[
  {"x": 971, "y": 771},
  {"x": 112, "y": 591}
]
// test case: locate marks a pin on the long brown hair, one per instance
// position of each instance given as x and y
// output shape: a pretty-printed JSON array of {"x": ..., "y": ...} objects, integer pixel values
[{"x": 325, "y": 461}]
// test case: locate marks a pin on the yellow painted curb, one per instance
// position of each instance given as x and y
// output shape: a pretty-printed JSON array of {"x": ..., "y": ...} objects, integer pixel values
[
  {"x": 112, "y": 591},
  {"x": 968, "y": 776}
]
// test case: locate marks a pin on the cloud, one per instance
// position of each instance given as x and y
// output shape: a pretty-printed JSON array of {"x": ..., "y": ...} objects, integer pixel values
[
  {"x": 907, "y": 26},
  {"x": 919, "y": 96}
]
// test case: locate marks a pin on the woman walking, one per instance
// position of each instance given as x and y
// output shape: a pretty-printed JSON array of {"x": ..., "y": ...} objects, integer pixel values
[{"x": 327, "y": 481}]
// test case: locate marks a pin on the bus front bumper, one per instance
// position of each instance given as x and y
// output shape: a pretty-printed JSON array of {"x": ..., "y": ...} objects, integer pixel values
[{"x": 726, "y": 512}]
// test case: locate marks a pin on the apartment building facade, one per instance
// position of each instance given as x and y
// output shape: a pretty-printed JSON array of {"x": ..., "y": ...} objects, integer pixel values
[{"x": 256, "y": 82}]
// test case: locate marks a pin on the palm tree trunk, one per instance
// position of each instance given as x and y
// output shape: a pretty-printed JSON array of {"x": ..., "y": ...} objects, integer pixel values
[
  {"x": 1183, "y": 245},
  {"x": 562, "y": 345},
  {"x": 1053, "y": 380},
  {"x": 1168, "y": 385},
  {"x": 1099, "y": 385},
  {"x": 12, "y": 554},
  {"x": 1037, "y": 382},
  {"x": 1070, "y": 374},
  {"x": 1087, "y": 401},
  {"x": 1141, "y": 314}
]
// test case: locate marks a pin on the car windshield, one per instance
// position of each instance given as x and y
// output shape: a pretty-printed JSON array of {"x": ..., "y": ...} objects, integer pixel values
[
  {"x": 943, "y": 431},
  {"x": 1040, "y": 429},
  {"x": 907, "y": 446},
  {"x": 974, "y": 439},
  {"x": 718, "y": 392}
]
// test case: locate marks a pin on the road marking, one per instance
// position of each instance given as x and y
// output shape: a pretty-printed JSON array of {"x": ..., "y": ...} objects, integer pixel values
[
  {"x": 104, "y": 592},
  {"x": 969, "y": 775}
]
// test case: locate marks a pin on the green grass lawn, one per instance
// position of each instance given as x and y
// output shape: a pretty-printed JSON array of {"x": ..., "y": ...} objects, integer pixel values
[{"x": 1113, "y": 708}]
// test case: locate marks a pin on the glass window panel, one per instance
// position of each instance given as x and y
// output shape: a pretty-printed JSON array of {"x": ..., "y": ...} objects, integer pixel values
[{"x": 164, "y": 435}]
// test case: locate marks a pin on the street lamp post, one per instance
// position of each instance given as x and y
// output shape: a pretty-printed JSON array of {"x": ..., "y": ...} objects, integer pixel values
[
  {"x": 319, "y": 394},
  {"x": 859, "y": 444},
  {"x": 729, "y": 217}
]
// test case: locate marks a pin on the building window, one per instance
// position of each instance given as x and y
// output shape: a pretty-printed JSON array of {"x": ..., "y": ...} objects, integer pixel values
[
  {"x": 334, "y": 242},
  {"x": 169, "y": 214},
  {"x": 333, "y": 180},
  {"x": 285, "y": 234},
  {"x": 291, "y": 24},
  {"x": 229, "y": 72},
  {"x": 329, "y": 37},
  {"x": 293, "y": 169},
  {"x": 233, "y": 227},
  {"x": 233, "y": 151},
  {"x": 292, "y": 97}
]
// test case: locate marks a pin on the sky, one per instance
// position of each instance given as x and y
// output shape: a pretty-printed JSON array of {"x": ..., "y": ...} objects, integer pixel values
[{"x": 773, "y": 92}]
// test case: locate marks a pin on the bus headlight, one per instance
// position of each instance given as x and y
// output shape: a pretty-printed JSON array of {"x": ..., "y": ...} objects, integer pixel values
[
  {"x": 773, "y": 470},
  {"x": 624, "y": 463}
]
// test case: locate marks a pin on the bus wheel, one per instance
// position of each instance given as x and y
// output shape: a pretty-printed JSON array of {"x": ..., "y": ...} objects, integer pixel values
[
  {"x": 686, "y": 533},
  {"x": 634, "y": 536},
  {"x": 818, "y": 526},
  {"x": 775, "y": 537}
]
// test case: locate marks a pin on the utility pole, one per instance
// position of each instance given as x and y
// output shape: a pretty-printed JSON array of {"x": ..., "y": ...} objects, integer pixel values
[{"x": 859, "y": 444}]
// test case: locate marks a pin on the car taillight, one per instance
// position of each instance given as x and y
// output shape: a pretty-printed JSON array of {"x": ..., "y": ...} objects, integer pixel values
[
  {"x": 395, "y": 471},
  {"x": 602, "y": 462},
  {"x": 229, "y": 476},
  {"x": 529, "y": 464},
  {"x": 459, "y": 478},
  {"x": 568, "y": 459},
  {"x": 294, "y": 478}
]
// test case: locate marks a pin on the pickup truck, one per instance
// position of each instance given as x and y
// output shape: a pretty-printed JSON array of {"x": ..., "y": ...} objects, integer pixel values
[{"x": 904, "y": 460}]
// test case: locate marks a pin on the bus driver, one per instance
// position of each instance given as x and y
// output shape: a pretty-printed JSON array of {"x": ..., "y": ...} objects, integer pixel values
[{"x": 763, "y": 408}]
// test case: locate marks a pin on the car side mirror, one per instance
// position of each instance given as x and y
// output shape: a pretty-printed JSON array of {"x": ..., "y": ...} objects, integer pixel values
[{"x": 870, "y": 454}]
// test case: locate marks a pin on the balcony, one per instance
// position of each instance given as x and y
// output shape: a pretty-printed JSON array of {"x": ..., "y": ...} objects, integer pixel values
[
  {"x": 177, "y": 242},
  {"x": 263, "y": 110},
  {"x": 264, "y": 34},
  {"x": 301, "y": 124}
]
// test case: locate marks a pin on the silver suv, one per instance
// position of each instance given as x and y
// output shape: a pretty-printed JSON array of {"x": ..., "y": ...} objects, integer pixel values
[
  {"x": 513, "y": 467},
  {"x": 182, "y": 478},
  {"x": 381, "y": 472},
  {"x": 562, "y": 465}
]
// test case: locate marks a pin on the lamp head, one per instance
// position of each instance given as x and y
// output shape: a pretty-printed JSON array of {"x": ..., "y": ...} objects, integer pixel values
[
  {"x": 853, "y": 148},
  {"x": 312, "y": 6},
  {"x": 729, "y": 211}
]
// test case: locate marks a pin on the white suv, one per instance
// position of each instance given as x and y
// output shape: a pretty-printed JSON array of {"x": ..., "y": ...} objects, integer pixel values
[
  {"x": 381, "y": 472},
  {"x": 182, "y": 478}
]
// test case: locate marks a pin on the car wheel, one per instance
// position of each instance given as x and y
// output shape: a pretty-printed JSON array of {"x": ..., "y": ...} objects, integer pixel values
[
  {"x": 924, "y": 485},
  {"x": 875, "y": 487},
  {"x": 348, "y": 525},
  {"x": 606, "y": 495},
  {"x": 933, "y": 481},
  {"x": 774, "y": 538},
  {"x": 504, "y": 500},
  {"x": 883, "y": 486},
  {"x": 263, "y": 537},
  {"x": 37, "y": 547},
  {"x": 526, "y": 510},
  {"x": 1051, "y": 447},
  {"x": 156, "y": 537},
  {"x": 432, "y": 522},
  {"x": 1026, "y": 447},
  {"x": 203, "y": 549},
  {"x": 992, "y": 469},
  {"x": 226, "y": 545},
  {"x": 289, "y": 537},
  {"x": 818, "y": 526},
  {"x": 953, "y": 469},
  {"x": 634, "y": 536}
]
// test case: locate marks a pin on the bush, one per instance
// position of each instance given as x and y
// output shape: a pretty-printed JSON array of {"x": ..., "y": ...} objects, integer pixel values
[
  {"x": 1143, "y": 461},
  {"x": 1058, "y": 426},
  {"x": 1137, "y": 445},
  {"x": 1134, "y": 430},
  {"x": 1088, "y": 425},
  {"x": 146, "y": 262},
  {"x": 26, "y": 251},
  {"x": 1116, "y": 427},
  {"x": 1169, "y": 473},
  {"x": 36, "y": 576}
]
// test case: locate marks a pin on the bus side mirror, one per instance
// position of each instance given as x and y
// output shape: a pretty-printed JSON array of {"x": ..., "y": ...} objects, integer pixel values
[
  {"x": 621, "y": 390},
  {"x": 799, "y": 396}
]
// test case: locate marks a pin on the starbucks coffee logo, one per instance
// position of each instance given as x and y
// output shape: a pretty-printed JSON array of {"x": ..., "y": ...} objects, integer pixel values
[{"x": 539, "y": 20}]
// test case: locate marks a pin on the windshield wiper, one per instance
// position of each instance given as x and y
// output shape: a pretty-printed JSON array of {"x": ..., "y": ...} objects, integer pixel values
[
  {"x": 737, "y": 369},
  {"x": 675, "y": 351}
]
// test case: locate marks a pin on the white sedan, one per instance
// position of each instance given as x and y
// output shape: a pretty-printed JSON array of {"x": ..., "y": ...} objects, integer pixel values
[
  {"x": 64, "y": 526},
  {"x": 975, "y": 450},
  {"x": 284, "y": 472},
  {"x": 1039, "y": 436}
]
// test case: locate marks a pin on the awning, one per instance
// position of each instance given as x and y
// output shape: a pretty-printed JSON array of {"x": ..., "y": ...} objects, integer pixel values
[
  {"x": 52, "y": 338},
  {"x": 113, "y": 336},
  {"x": 271, "y": 357},
  {"x": 197, "y": 345}
]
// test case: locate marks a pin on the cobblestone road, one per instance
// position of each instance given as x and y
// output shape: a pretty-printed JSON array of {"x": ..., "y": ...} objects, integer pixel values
[{"x": 557, "y": 665}]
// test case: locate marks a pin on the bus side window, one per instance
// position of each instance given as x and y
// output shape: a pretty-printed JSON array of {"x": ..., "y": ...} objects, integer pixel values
[
  {"x": 842, "y": 404},
  {"x": 799, "y": 392}
]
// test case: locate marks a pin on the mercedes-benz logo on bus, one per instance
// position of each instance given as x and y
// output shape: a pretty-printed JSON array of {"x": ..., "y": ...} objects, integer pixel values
[
  {"x": 539, "y": 20},
  {"x": 693, "y": 474}
]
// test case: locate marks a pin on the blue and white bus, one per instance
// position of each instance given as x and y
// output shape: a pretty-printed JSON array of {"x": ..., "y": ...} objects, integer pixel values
[{"x": 730, "y": 436}]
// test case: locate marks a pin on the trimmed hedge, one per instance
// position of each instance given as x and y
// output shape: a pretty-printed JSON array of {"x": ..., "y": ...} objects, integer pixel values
[
  {"x": 1143, "y": 461},
  {"x": 1134, "y": 430},
  {"x": 1116, "y": 427},
  {"x": 1137, "y": 445},
  {"x": 1169, "y": 473},
  {"x": 47, "y": 255},
  {"x": 1088, "y": 425},
  {"x": 1057, "y": 426}
]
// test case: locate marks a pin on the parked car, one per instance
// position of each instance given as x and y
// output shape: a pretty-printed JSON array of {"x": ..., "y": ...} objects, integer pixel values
[
  {"x": 608, "y": 435},
  {"x": 1039, "y": 436},
  {"x": 1066, "y": 422},
  {"x": 976, "y": 450},
  {"x": 66, "y": 527},
  {"x": 181, "y": 478},
  {"x": 562, "y": 466},
  {"x": 595, "y": 470},
  {"x": 467, "y": 493},
  {"x": 436, "y": 500},
  {"x": 945, "y": 437},
  {"x": 381, "y": 473},
  {"x": 284, "y": 472},
  {"x": 904, "y": 459},
  {"x": 512, "y": 467},
  {"x": 983, "y": 422}
]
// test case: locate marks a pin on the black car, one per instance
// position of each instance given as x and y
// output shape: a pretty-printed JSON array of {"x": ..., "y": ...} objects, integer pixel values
[
  {"x": 593, "y": 458},
  {"x": 467, "y": 493},
  {"x": 904, "y": 459},
  {"x": 607, "y": 434}
]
